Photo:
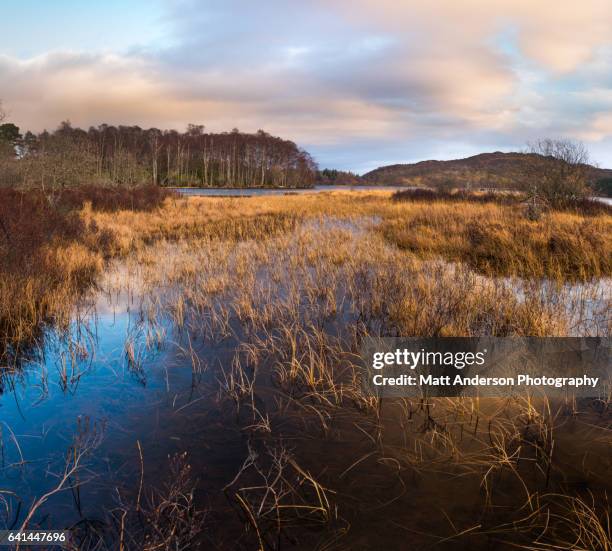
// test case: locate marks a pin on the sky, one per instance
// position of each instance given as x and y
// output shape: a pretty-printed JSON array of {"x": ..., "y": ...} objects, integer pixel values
[{"x": 358, "y": 83}]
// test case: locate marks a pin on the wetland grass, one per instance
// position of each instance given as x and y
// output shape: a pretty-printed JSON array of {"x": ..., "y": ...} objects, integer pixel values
[
  {"x": 287, "y": 288},
  {"x": 51, "y": 251},
  {"x": 297, "y": 305}
]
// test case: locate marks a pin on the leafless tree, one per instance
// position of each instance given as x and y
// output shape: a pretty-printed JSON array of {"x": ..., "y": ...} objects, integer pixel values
[
  {"x": 129, "y": 155},
  {"x": 7, "y": 153},
  {"x": 557, "y": 171}
]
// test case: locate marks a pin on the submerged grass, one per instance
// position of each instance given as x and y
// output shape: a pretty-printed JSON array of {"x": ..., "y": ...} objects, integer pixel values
[
  {"x": 291, "y": 286},
  {"x": 329, "y": 466},
  {"x": 52, "y": 249},
  {"x": 45, "y": 256}
]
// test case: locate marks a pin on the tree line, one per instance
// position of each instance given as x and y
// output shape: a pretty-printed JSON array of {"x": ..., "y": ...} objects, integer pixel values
[
  {"x": 130, "y": 155},
  {"x": 331, "y": 176}
]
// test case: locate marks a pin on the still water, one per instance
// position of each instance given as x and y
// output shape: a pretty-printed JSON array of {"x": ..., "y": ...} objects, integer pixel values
[{"x": 247, "y": 192}]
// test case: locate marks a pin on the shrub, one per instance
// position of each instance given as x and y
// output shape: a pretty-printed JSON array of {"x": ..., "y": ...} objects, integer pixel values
[
  {"x": 424, "y": 194},
  {"x": 50, "y": 251}
]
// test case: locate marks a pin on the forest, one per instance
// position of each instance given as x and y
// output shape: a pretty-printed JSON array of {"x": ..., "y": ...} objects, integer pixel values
[{"x": 130, "y": 155}]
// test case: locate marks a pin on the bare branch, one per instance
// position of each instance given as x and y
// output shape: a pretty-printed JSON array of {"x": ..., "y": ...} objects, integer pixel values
[{"x": 557, "y": 171}]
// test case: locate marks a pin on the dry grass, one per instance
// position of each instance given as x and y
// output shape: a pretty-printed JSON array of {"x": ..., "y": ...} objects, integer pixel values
[
  {"x": 49, "y": 254},
  {"x": 500, "y": 240},
  {"x": 46, "y": 255},
  {"x": 328, "y": 464},
  {"x": 494, "y": 239},
  {"x": 292, "y": 285}
]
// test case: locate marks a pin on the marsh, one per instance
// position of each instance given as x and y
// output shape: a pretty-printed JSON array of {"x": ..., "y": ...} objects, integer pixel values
[{"x": 202, "y": 385}]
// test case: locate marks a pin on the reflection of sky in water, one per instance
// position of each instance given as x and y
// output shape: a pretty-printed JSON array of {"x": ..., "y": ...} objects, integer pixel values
[{"x": 101, "y": 391}]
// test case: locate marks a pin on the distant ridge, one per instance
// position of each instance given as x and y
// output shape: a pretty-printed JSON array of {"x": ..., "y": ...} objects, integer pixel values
[{"x": 483, "y": 170}]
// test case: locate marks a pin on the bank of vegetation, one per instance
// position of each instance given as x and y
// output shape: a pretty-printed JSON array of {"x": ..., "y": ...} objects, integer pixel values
[
  {"x": 501, "y": 239},
  {"x": 51, "y": 251},
  {"x": 532, "y": 206},
  {"x": 130, "y": 155},
  {"x": 335, "y": 177}
]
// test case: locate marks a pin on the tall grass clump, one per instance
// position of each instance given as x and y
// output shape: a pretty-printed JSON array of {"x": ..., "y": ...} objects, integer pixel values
[
  {"x": 579, "y": 205},
  {"x": 498, "y": 240},
  {"x": 447, "y": 195}
]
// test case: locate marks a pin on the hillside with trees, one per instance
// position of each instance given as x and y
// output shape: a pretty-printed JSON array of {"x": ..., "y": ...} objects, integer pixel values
[
  {"x": 487, "y": 170},
  {"x": 329, "y": 176},
  {"x": 130, "y": 155}
]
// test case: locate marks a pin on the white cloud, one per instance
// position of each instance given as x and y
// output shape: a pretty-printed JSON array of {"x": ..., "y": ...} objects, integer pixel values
[{"x": 341, "y": 74}]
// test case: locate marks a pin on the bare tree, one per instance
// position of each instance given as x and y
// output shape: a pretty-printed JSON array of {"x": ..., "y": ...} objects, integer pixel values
[
  {"x": 8, "y": 135},
  {"x": 130, "y": 155},
  {"x": 557, "y": 171}
]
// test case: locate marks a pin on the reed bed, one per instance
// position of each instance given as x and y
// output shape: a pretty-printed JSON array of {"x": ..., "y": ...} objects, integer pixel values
[
  {"x": 325, "y": 463},
  {"x": 499, "y": 240},
  {"x": 493, "y": 238},
  {"x": 270, "y": 299}
]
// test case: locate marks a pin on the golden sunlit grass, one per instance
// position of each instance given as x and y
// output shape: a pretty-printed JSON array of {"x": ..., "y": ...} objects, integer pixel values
[
  {"x": 50, "y": 251},
  {"x": 493, "y": 239},
  {"x": 321, "y": 450},
  {"x": 500, "y": 240},
  {"x": 45, "y": 291},
  {"x": 293, "y": 284}
]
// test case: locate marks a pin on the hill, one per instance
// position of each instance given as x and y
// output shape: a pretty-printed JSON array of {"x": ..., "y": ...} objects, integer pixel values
[{"x": 486, "y": 170}]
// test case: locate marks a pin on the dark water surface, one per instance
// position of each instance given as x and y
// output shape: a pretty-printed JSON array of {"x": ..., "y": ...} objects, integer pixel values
[
  {"x": 113, "y": 381},
  {"x": 120, "y": 384}
]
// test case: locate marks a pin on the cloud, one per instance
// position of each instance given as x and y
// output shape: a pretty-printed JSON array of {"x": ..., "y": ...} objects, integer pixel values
[
  {"x": 557, "y": 35},
  {"x": 345, "y": 78}
]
